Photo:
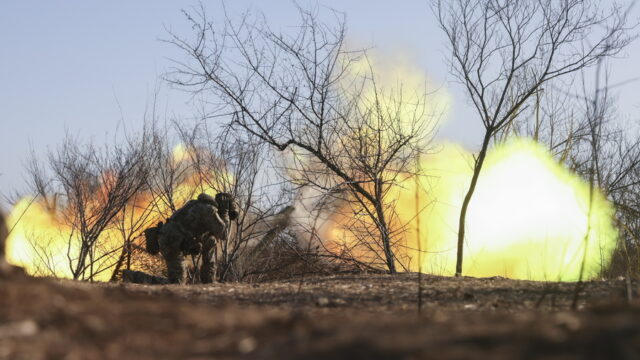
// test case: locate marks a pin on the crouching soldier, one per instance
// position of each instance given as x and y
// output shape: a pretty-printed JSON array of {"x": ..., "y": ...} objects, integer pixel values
[{"x": 192, "y": 229}]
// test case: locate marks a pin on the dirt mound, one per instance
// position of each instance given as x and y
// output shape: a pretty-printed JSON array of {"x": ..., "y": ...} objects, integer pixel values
[{"x": 349, "y": 316}]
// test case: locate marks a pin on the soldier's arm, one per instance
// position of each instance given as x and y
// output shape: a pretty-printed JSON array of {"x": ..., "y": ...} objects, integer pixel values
[{"x": 227, "y": 206}]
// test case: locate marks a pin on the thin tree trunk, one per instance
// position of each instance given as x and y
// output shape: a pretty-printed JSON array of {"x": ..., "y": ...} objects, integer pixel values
[
  {"x": 125, "y": 254},
  {"x": 129, "y": 249},
  {"x": 418, "y": 242},
  {"x": 386, "y": 241},
  {"x": 116, "y": 269},
  {"x": 467, "y": 199},
  {"x": 79, "y": 270},
  {"x": 383, "y": 227}
]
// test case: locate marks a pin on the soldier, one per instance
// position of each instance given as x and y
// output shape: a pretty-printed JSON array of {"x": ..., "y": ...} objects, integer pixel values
[{"x": 192, "y": 229}]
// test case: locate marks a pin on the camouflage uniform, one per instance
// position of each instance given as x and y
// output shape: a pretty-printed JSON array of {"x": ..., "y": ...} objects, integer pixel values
[{"x": 192, "y": 229}]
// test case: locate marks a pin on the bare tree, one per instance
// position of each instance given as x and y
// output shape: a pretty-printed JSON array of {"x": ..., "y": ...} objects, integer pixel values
[
  {"x": 93, "y": 185},
  {"x": 169, "y": 168},
  {"x": 556, "y": 120},
  {"x": 610, "y": 159},
  {"x": 308, "y": 95},
  {"x": 503, "y": 52},
  {"x": 130, "y": 223}
]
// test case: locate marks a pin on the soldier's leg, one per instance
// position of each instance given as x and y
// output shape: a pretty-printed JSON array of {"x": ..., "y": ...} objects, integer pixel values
[
  {"x": 175, "y": 267},
  {"x": 207, "y": 269},
  {"x": 170, "y": 241}
]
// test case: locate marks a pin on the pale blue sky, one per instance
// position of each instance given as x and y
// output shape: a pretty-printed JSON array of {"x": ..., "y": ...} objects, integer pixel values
[{"x": 87, "y": 66}]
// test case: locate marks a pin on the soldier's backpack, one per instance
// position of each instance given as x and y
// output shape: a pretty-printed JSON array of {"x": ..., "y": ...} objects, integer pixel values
[{"x": 151, "y": 239}]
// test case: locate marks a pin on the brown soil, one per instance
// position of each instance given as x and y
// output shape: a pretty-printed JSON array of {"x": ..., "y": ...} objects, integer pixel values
[{"x": 344, "y": 316}]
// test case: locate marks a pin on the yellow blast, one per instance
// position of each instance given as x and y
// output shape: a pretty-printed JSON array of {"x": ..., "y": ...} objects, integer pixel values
[
  {"x": 45, "y": 245},
  {"x": 528, "y": 218},
  {"x": 38, "y": 241}
]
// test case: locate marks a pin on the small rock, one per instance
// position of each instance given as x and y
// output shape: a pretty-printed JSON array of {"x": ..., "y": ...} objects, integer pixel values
[
  {"x": 440, "y": 316},
  {"x": 568, "y": 321},
  {"x": 18, "y": 329},
  {"x": 323, "y": 301},
  {"x": 247, "y": 345},
  {"x": 339, "y": 302},
  {"x": 496, "y": 278},
  {"x": 95, "y": 323}
]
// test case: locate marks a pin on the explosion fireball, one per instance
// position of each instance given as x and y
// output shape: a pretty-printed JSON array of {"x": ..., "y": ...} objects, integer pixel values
[{"x": 528, "y": 219}]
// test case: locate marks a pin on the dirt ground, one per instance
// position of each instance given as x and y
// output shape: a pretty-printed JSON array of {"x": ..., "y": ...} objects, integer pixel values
[{"x": 349, "y": 316}]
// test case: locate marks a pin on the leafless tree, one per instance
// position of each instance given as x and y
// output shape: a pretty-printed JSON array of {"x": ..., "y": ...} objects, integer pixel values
[
  {"x": 130, "y": 222},
  {"x": 307, "y": 94},
  {"x": 93, "y": 185},
  {"x": 503, "y": 52},
  {"x": 555, "y": 120},
  {"x": 169, "y": 168},
  {"x": 610, "y": 159}
]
